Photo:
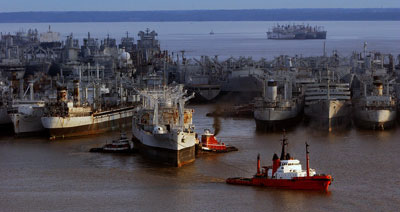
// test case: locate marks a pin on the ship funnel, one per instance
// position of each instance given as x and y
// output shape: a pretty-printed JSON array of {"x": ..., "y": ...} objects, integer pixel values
[
  {"x": 77, "y": 98},
  {"x": 31, "y": 90},
  {"x": 380, "y": 90},
  {"x": 378, "y": 86},
  {"x": 271, "y": 91},
  {"x": 275, "y": 163},
  {"x": 62, "y": 94}
]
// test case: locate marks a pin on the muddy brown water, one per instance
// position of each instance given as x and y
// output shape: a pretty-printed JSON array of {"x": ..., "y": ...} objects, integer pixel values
[{"x": 41, "y": 175}]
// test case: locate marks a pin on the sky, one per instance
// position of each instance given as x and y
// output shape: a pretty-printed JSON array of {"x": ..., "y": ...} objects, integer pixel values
[{"x": 135, "y": 5}]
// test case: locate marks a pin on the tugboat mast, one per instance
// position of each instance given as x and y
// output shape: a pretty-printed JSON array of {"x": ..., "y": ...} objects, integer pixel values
[
  {"x": 284, "y": 144},
  {"x": 308, "y": 160}
]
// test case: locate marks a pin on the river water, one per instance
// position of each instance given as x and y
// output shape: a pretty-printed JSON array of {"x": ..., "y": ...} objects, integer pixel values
[{"x": 41, "y": 175}]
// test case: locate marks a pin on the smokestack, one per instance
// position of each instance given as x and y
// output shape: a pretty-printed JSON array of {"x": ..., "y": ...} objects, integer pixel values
[
  {"x": 77, "y": 98},
  {"x": 62, "y": 94},
  {"x": 272, "y": 90},
  {"x": 275, "y": 164}
]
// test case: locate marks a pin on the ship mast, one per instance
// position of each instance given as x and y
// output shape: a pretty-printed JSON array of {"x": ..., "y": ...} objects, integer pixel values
[
  {"x": 284, "y": 144},
  {"x": 258, "y": 164},
  {"x": 308, "y": 160}
]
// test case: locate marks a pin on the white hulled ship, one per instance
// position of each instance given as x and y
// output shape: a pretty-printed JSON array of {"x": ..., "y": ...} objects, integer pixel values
[
  {"x": 162, "y": 129},
  {"x": 274, "y": 111},
  {"x": 327, "y": 102}
]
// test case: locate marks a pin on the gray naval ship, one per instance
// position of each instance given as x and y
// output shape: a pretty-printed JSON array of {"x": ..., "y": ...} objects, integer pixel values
[
  {"x": 26, "y": 113},
  {"x": 376, "y": 108},
  {"x": 296, "y": 32},
  {"x": 198, "y": 78},
  {"x": 278, "y": 107},
  {"x": 327, "y": 102}
]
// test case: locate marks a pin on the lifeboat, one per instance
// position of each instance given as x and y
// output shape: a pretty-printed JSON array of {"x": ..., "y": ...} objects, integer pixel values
[
  {"x": 209, "y": 143},
  {"x": 286, "y": 173}
]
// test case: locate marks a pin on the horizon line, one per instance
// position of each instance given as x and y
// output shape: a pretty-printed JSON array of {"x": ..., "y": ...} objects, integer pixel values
[{"x": 322, "y": 8}]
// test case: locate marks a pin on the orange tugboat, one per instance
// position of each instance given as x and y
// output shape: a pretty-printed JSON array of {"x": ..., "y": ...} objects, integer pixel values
[{"x": 286, "y": 173}]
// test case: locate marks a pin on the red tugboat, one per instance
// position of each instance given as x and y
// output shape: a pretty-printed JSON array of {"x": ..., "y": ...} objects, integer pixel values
[
  {"x": 286, "y": 173},
  {"x": 209, "y": 143}
]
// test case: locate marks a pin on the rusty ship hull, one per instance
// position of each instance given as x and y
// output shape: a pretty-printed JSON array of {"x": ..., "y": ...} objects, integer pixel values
[{"x": 62, "y": 127}]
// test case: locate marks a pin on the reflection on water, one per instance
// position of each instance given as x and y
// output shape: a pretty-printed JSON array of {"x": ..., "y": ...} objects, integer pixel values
[{"x": 38, "y": 174}]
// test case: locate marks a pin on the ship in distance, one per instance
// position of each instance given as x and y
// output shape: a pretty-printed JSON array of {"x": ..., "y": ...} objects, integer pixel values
[{"x": 296, "y": 32}]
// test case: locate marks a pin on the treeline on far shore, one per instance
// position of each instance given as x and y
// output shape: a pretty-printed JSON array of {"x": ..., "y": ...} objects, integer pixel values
[{"x": 364, "y": 14}]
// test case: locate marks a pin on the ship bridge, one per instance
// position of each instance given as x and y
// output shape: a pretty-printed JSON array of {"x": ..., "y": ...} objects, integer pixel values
[{"x": 289, "y": 169}]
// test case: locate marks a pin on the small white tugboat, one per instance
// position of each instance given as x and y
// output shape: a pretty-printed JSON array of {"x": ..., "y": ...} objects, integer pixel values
[{"x": 122, "y": 145}]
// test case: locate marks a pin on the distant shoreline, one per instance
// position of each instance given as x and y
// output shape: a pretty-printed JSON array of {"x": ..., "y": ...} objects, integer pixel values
[{"x": 363, "y": 14}]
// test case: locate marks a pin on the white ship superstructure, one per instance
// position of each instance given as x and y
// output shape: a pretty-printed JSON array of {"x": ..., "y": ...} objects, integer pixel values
[
  {"x": 163, "y": 128},
  {"x": 327, "y": 102},
  {"x": 274, "y": 111}
]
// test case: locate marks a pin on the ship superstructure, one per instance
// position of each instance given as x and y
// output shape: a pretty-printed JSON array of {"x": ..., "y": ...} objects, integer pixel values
[
  {"x": 286, "y": 173},
  {"x": 163, "y": 128},
  {"x": 198, "y": 78},
  {"x": 327, "y": 102},
  {"x": 278, "y": 107},
  {"x": 296, "y": 32},
  {"x": 71, "y": 117},
  {"x": 376, "y": 107}
]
